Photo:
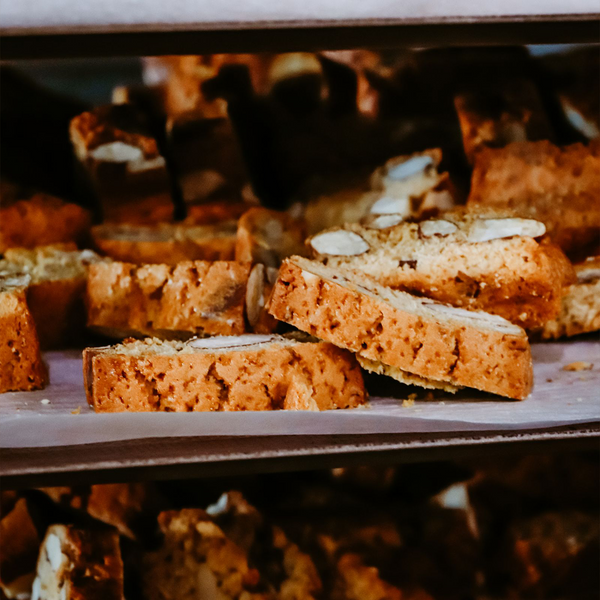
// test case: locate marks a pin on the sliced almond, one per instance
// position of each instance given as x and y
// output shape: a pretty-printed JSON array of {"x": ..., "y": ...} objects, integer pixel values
[
  {"x": 391, "y": 206},
  {"x": 409, "y": 168},
  {"x": 484, "y": 230},
  {"x": 385, "y": 221},
  {"x": 493, "y": 321},
  {"x": 586, "y": 275},
  {"x": 339, "y": 243},
  {"x": 255, "y": 289},
  {"x": 231, "y": 341},
  {"x": 439, "y": 227},
  {"x": 117, "y": 152}
]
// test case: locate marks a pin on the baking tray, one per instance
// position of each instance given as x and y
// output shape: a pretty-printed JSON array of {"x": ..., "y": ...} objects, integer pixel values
[{"x": 51, "y": 432}]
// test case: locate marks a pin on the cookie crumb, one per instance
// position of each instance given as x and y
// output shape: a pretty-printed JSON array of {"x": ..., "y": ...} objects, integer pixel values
[
  {"x": 45, "y": 401},
  {"x": 409, "y": 402},
  {"x": 579, "y": 365},
  {"x": 77, "y": 411}
]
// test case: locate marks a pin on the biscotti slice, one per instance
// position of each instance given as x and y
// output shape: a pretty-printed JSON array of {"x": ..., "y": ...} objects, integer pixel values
[
  {"x": 21, "y": 365},
  {"x": 190, "y": 298},
  {"x": 494, "y": 115},
  {"x": 56, "y": 289},
  {"x": 580, "y": 308},
  {"x": 416, "y": 335},
  {"x": 79, "y": 563},
  {"x": 559, "y": 186},
  {"x": 166, "y": 243},
  {"x": 407, "y": 187},
  {"x": 467, "y": 260},
  {"x": 196, "y": 560},
  {"x": 123, "y": 164},
  {"x": 41, "y": 220},
  {"x": 268, "y": 236},
  {"x": 18, "y": 551},
  {"x": 225, "y": 373}
]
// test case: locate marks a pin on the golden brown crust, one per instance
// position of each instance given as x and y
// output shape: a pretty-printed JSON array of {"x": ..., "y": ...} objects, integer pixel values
[
  {"x": 558, "y": 186},
  {"x": 168, "y": 244},
  {"x": 42, "y": 220},
  {"x": 580, "y": 308},
  {"x": 415, "y": 339},
  {"x": 268, "y": 236},
  {"x": 192, "y": 297},
  {"x": 250, "y": 378},
  {"x": 518, "y": 277},
  {"x": 21, "y": 365}
]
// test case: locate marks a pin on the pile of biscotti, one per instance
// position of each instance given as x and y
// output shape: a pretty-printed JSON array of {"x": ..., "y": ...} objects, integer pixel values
[
  {"x": 241, "y": 307},
  {"x": 363, "y": 533}
]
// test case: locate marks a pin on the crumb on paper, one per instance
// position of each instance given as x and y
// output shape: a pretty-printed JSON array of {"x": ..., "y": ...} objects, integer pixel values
[
  {"x": 579, "y": 365},
  {"x": 77, "y": 411},
  {"x": 579, "y": 399},
  {"x": 442, "y": 404},
  {"x": 408, "y": 402},
  {"x": 45, "y": 401},
  {"x": 549, "y": 380}
]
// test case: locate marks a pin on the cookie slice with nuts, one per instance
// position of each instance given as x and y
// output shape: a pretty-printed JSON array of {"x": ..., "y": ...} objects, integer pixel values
[
  {"x": 502, "y": 265},
  {"x": 407, "y": 334}
]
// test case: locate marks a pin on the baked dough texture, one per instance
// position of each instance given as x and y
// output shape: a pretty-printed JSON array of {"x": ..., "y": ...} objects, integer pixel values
[
  {"x": 21, "y": 365},
  {"x": 190, "y": 298},
  {"x": 224, "y": 373},
  {"x": 559, "y": 186},
  {"x": 416, "y": 335},
  {"x": 580, "y": 308},
  {"x": 475, "y": 261}
]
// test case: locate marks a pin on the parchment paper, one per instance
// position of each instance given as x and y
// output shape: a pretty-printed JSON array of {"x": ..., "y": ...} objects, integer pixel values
[{"x": 559, "y": 398}]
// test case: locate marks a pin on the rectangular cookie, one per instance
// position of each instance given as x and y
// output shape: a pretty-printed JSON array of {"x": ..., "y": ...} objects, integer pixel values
[
  {"x": 495, "y": 114},
  {"x": 41, "y": 220},
  {"x": 559, "y": 186},
  {"x": 122, "y": 164},
  {"x": 415, "y": 335},
  {"x": 166, "y": 243},
  {"x": 190, "y": 298},
  {"x": 79, "y": 563},
  {"x": 580, "y": 307},
  {"x": 57, "y": 279},
  {"x": 228, "y": 373},
  {"x": 492, "y": 264},
  {"x": 21, "y": 365}
]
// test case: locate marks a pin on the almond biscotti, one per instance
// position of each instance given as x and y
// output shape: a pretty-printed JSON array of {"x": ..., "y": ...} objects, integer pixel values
[
  {"x": 166, "y": 243},
  {"x": 123, "y": 165},
  {"x": 42, "y": 220},
  {"x": 491, "y": 264},
  {"x": 55, "y": 292},
  {"x": 268, "y": 236},
  {"x": 228, "y": 373},
  {"x": 538, "y": 180},
  {"x": 413, "y": 335},
  {"x": 408, "y": 186},
  {"x": 190, "y": 298},
  {"x": 21, "y": 365},
  {"x": 79, "y": 564},
  {"x": 580, "y": 307}
]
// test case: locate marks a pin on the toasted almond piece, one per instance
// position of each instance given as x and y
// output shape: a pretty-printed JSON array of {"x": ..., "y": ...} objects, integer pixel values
[
  {"x": 409, "y": 168},
  {"x": 339, "y": 243},
  {"x": 231, "y": 341},
  {"x": 385, "y": 221},
  {"x": 117, "y": 152},
  {"x": 437, "y": 227},
  {"x": 584, "y": 275},
  {"x": 255, "y": 299},
  {"x": 484, "y": 230},
  {"x": 579, "y": 365},
  {"x": 495, "y": 321},
  {"x": 391, "y": 206}
]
